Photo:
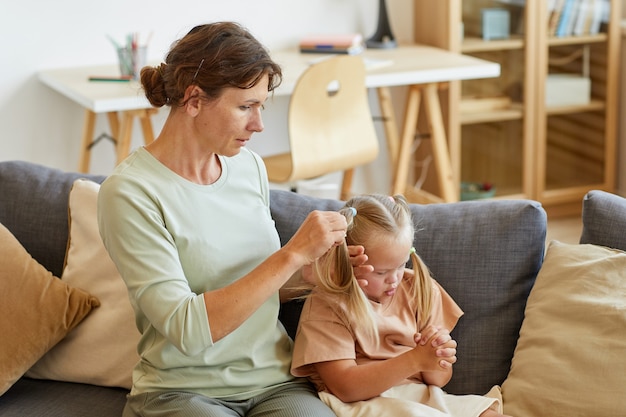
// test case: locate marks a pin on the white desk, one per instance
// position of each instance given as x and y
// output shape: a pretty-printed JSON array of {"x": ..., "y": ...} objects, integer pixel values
[
  {"x": 114, "y": 98},
  {"x": 407, "y": 65},
  {"x": 421, "y": 68}
]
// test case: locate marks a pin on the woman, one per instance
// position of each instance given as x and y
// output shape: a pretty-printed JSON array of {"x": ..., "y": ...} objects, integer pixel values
[{"x": 186, "y": 220}]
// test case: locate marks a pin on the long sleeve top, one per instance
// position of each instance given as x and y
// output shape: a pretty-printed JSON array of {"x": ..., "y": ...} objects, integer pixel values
[{"x": 172, "y": 240}]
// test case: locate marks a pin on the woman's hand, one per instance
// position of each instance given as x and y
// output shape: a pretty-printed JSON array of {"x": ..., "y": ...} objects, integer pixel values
[
  {"x": 358, "y": 259},
  {"x": 320, "y": 231}
]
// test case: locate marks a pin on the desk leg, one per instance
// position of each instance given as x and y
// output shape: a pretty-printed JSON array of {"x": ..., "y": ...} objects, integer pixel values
[
  {"x": 114, "y": 124},
  {"x": 403, "y": 161},
  {"x": 146, "y": 125},
  {"x": 125, "y": 131},
  {"x": 121, "y": 133},
  {"x": 124, "y": 135},
  {"x": 389, "y": 124},
  {"x": 85, "y": 148},
  {"x": 441, "y": 154}
]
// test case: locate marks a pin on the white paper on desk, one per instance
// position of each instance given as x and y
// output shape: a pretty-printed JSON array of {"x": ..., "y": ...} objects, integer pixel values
[{"x": 370, "y": 63}]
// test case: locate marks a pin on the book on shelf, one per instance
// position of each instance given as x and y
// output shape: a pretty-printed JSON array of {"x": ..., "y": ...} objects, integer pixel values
[
  {"x": 573, "y": 17},
  {"x": 576, "y": 17},
  {"x": 583, "y": 18},
  {"x": 348, "y": 43},
  {"x": 566, "y": 16},
  {"x": 602, "y": 12},
  {"x": 555, "y": 8}
]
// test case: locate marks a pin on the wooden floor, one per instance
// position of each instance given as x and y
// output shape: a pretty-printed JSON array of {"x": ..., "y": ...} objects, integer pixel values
[{"x": 564, "y": 229}]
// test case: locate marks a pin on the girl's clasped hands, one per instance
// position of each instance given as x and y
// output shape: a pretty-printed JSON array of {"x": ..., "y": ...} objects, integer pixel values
[{"x": 442, "y": 347}]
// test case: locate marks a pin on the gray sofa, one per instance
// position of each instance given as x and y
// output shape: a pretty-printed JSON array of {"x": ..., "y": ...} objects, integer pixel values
[{"x": 487, "y": 254}]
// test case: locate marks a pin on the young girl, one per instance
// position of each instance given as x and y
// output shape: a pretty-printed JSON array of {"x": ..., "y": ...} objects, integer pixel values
[{"x": 385, "y": 348}]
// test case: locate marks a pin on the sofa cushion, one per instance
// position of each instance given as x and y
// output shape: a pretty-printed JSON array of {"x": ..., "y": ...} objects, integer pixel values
[
  {"x": 30, "y": 397},
  {"x": 570, "y": 359},
  {"x": 102, "y": 350},
  {"x": 604, "y": 220},
  {"x": 37, "y": 310},
  {"x": 486, "y": 254},
  {"x": 35, "y": 209}
]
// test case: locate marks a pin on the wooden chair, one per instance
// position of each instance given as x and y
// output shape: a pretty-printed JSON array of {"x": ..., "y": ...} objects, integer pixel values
[{"x": 330, "y": 125}]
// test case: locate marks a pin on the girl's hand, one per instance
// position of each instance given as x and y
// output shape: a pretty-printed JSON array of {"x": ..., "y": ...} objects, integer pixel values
[
  {"x": 440, "y": 339},
  {"x": 426, "y": 333}
]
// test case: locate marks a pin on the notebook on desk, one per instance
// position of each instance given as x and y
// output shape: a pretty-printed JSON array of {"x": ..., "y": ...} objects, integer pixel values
[{"x": 349, "y": 43}]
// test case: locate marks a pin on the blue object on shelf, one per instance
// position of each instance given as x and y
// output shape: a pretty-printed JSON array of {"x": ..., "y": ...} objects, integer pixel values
[
  {"x": 476, "y": 190},
  {"x": 495, "y": 23}
]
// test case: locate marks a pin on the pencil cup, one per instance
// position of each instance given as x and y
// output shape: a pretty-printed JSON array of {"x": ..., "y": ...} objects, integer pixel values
[{"x": 131, "y": 61}]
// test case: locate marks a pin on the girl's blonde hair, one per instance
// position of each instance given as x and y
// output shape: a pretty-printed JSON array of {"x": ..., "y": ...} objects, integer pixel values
[{"x": 370, "y": 216}]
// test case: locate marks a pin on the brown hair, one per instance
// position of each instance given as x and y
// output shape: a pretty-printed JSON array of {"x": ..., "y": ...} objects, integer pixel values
[
  {"x": 370, "y": 216},
  {"x": 212, "y": 56}
]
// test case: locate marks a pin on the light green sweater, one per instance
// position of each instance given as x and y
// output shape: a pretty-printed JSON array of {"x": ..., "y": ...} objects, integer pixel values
[{"x": 172, "y": 240}]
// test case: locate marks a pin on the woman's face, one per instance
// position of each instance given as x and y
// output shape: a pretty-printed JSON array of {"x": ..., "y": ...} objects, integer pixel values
[
  {"x": 227, "y": 123},
  {"x": 388, "y": 257}
]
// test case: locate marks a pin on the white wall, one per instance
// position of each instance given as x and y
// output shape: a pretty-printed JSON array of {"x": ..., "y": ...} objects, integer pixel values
[{"x": 39, "y": 125}]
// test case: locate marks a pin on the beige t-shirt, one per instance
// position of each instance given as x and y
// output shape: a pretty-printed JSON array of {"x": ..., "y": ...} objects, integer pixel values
[{"x": 326, "y": 331}]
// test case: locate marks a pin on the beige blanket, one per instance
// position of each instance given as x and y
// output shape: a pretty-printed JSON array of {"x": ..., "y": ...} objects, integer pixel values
[{"x": 417, "y": 400}]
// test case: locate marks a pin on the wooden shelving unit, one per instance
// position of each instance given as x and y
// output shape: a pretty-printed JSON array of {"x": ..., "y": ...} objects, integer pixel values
[
  {"x": 511, "y": 138},
  {"x": 576, "y": 145}
]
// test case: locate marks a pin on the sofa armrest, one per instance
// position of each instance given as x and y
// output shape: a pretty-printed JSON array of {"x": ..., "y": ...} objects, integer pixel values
[{"x": 604, "y": 220}]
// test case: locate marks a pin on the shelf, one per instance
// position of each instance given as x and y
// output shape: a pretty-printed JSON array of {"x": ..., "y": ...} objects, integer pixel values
[
  {"x": 577, "y": 40},
  {"x": 473, "y": 44},
  {"x": 514, "y": 112},
  {"x": 594, "y": 105}
]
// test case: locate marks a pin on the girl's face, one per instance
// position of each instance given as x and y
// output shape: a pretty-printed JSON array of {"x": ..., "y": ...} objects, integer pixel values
[{"x": 388, "y": 257}]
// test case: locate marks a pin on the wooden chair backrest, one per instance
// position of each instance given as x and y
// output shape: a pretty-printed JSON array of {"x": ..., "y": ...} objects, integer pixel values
[{"x": 330, "y": 123}]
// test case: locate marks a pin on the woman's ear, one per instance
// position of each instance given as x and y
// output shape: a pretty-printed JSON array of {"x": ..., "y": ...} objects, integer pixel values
[{"x": 192, "y": 99}]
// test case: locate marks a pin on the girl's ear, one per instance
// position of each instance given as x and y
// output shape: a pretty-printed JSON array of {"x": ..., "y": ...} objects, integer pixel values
[{"x": 192, "y": 100}]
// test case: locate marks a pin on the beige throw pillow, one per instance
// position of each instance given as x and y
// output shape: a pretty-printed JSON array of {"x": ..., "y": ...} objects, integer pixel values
[
  {"x": 570, "y": 359},
  {"x": 103, "y": 349},
  {"x": 37, "y": 309}
]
